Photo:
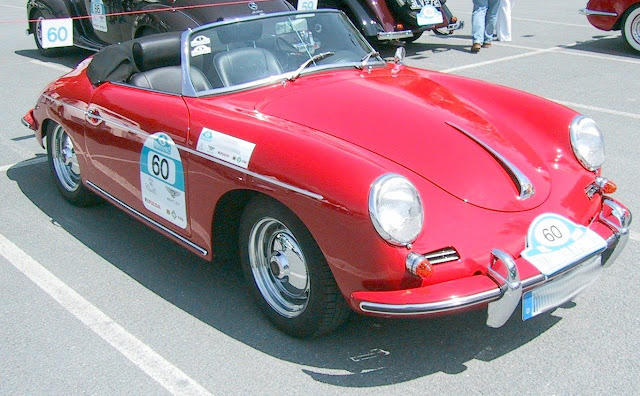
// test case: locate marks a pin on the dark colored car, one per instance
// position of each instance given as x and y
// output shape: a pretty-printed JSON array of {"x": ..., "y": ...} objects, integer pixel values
[
  {"x": 384, "y": 20},
  {"x": 98, "y": 23}
]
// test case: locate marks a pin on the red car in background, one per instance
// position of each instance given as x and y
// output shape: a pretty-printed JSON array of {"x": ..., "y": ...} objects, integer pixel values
[
  {"x": 270, "y": 139},
  {"x": 623, "y": 15}
]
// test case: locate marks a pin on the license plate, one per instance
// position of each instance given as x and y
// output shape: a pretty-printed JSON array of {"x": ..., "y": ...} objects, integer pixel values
[
  {"x": 555, "y": 243},
  {"x": 429, "y": 15},
  {"x": 560, "y": 290}
]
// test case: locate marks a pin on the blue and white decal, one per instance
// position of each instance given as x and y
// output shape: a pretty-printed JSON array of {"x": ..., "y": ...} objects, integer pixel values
[
  {"x": 162, "y": 179},
  {"x": 555, "y": 242}
]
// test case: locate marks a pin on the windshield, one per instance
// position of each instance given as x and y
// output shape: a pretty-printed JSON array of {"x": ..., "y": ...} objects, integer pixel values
[{"x": 249, "y": 52}]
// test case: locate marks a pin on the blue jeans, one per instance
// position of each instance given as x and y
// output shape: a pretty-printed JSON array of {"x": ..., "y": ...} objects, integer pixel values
[{"x": 483, "y": 20}]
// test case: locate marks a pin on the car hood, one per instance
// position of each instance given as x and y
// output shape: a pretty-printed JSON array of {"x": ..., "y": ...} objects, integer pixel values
[{"x": 424, "y": 127}]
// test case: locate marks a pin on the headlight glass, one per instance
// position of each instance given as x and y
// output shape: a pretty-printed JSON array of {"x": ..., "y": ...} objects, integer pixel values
[
  {"x": 395, "y": 209},
  {"x": 587, "y": 142}
]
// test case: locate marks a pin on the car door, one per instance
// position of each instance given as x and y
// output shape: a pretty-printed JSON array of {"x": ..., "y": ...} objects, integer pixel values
[
  {"x": 134, "y": 140},
  {"x": 106, "y": 26}
]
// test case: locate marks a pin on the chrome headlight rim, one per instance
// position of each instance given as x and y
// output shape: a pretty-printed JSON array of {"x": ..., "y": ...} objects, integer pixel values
[
  {"x": 577, "y": 132},
  {"x": 378, "y": 189}
]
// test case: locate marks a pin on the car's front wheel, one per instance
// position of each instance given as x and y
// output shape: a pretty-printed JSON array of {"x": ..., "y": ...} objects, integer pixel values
[
  {"x": 631, "y": 27},
  {"x": 286, "y": 271},
  {"x": 65, "y": 167}
]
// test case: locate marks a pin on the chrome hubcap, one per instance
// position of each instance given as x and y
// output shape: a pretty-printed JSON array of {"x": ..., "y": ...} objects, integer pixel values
[
  {"x": 64, "y": 159},
  {"x": 39, "y": 30},
  {"x": 279, "y": 267}
]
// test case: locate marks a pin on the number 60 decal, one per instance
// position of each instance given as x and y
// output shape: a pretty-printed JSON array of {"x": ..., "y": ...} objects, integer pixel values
[{"x": 56, "y": 33}]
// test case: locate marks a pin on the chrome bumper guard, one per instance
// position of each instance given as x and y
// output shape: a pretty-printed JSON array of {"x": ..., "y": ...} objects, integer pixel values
[
  {"x": 586, "y": 11},
  {"x": 557, "y": 289},
  {"x": 395, "y": 35}
]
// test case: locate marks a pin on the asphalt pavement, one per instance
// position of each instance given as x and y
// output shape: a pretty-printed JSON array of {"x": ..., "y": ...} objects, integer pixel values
[{"x": 94, "y": 302}]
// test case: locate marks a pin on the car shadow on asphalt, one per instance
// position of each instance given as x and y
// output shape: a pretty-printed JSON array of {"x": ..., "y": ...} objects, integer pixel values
[
  {"x": 417, "y": 48},
  {"x": 364, "y": 352},
  {"x": 606, "y": 45},
  {"x": 69, "y": 57}
]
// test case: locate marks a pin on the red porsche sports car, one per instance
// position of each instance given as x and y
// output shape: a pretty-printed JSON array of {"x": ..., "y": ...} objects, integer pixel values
[
  {"x": 273, "y": 137},
  {"x": 621, "y": 15}
]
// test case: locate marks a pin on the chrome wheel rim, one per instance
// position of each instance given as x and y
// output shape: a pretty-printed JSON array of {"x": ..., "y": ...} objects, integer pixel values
[
  {"x": 64, "y": 160},
  {"x": 635, "y": 29},
  {"x": 279, "y": 268},
  {"x": 39, "y": 30}
]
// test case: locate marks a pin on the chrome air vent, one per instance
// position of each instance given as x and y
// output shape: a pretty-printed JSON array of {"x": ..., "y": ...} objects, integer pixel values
[{"x": 442, "y": 256}]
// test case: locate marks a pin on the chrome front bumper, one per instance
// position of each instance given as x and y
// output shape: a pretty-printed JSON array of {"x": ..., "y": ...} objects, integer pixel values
[
  {"x": 586, "y": 11},
  {"x": 504, "y": 291}
]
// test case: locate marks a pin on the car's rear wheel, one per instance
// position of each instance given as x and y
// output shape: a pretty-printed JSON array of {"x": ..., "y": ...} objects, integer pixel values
[
  {"x": 631, "y": 27},
  {"x": 286, "y": 271},
  {"x": 36, "y": 28},
  {"x": 65, "y": 167}
]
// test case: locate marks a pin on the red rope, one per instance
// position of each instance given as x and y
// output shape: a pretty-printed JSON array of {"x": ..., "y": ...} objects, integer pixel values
[{"x": 149, "y": 11}]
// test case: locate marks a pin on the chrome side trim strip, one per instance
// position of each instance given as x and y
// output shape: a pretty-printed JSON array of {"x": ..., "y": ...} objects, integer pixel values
[
  {"x": 148, "y": 219},
  {"x": 258, "y": 176},
  {"x": 522, "y": 182},
  {"x": 439, "y": 306},
  {"x": 586, "y": 11}
]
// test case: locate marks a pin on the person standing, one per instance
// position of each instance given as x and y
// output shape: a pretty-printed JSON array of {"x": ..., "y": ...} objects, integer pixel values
[
  {"x": 503, "y": 21},
  {"x": 483, "y": 23}
]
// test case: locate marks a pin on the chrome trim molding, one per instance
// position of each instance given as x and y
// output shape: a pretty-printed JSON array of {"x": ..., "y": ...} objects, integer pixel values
[
  {"x": 522, "y": 182},
  {"x": 145, "y": 135},
  {"x": 147, "y": 219},
  {"x": 442, "y": 256},
  {"x": 586, "y": 11},
  {"x": 395, "y": 35},
  {"x": 439, "y": 306}
]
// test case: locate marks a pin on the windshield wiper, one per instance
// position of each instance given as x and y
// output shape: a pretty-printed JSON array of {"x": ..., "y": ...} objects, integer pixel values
[
  {"x": 313, "y": 59},
  {"x": 366, "y": 59}
]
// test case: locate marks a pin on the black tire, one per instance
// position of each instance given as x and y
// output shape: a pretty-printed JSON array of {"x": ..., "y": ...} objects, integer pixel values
[
  {"x": 287, "y": 273},
  {"x": 37, "y": 36},
  {"x": 631, "y": 27},
  {"x": 65, "y": 168}
]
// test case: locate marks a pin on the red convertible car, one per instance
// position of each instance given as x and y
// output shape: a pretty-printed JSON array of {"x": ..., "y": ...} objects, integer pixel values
[
  {"x": 271, "y": 138},
  {"x": 621, "y": 15}
]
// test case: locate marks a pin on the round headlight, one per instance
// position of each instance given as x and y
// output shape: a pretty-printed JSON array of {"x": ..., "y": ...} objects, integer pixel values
[
  {"x": 395, "y": 209},
  {"x": 587, "y": 142}
]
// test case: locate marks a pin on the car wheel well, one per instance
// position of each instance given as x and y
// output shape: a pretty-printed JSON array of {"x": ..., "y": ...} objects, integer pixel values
[{"x": 226, "y": 219}]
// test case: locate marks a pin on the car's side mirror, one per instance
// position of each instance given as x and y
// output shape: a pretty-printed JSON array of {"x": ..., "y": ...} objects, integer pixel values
[{"x": 398, "y": 57}]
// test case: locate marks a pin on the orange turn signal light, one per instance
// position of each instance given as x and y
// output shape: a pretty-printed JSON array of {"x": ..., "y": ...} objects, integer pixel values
[
  {"x": 454, "y": 19},
  {"x": 609, "y": 187},
  {"x": 399, "y": 27},
  {"x": 419, "y": 265}
]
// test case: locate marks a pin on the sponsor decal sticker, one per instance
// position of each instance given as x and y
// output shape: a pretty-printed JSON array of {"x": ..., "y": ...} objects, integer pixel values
[
  {"x": 225, "y": 147},
  {"x": 162, "y": 179}
]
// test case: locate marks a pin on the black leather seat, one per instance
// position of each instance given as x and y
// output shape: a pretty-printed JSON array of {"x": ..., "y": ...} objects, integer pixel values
[
  {"x": 157, "y": 58},
  {"x": 169, "y": 79},
  {"x": 242, "y": 65},
  {"x": 243, "y": 61}
]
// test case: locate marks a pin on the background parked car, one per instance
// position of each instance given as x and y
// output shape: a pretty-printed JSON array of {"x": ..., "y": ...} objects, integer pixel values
[
  {"x": 621, "y": 15},
  {"x": 405, "y": 20},
  {"x": 98, "y": 23}
]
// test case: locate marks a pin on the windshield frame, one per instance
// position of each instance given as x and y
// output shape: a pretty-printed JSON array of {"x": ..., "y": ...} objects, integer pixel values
[{"x": 189, "y": 90}]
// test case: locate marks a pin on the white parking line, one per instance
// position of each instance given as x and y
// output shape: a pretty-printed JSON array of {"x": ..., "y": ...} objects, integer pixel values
[
  {"x": 149, "y": 361},
  {"x": 498, "y": 60},
  {"x": 600, "y": 109},
  {"x": 12, "y": 6}
]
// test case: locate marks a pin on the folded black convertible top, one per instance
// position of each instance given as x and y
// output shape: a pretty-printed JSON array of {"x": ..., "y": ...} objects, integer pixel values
[{"x": 117, "y": 62}]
